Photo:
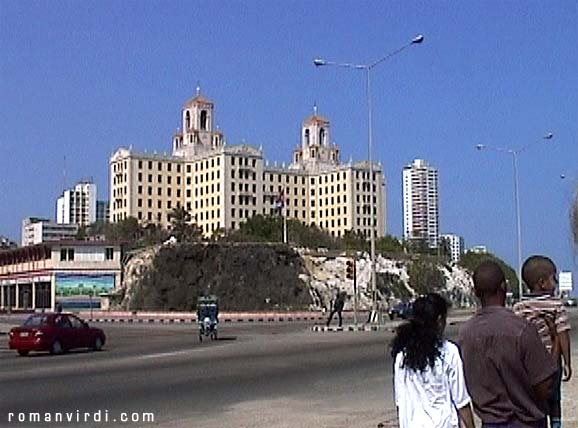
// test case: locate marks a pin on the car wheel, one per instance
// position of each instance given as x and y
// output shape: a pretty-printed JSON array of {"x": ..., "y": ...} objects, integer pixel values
[
  {"x": 23, "y": 353},
  {"x": 56, "y": 348},
  {"x": 97, "y": 345}
]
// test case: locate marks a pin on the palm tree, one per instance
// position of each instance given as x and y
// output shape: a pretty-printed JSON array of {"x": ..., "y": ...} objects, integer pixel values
[{"x": 181, "y": 227}]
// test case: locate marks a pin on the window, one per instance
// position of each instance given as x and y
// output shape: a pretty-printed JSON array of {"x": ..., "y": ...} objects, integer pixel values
[
  {"x": 204, "y": 120},
  {"x": 67, "y": 254},
  {"x": 109, "y": 253}
]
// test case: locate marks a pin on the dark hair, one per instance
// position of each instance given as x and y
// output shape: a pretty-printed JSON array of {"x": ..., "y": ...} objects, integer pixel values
[
  {"x": 421, "y": 337},
  {"x": 488, "y": 278},
  {"x": 536, "y": 268}
]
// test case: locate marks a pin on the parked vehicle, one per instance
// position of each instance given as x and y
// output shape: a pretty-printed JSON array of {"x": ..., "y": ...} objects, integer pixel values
[
  {"x": 570, "y": 301},
  {"x": 56, "y": 333},
  {"x": 401, "y": 310},
  {"x": 208, "y": 317}
]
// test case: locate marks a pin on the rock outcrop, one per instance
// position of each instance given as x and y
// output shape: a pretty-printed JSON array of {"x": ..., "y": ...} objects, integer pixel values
[{"x": 271, "y": 277}]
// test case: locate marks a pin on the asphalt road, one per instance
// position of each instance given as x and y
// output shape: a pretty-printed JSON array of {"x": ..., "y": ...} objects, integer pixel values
[{"x": 280, "y": 375}]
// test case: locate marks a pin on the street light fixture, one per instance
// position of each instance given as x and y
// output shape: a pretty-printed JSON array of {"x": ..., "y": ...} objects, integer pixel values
[
  {"x": 514, "y": 153},
  {"x": 367, "y": 68}
]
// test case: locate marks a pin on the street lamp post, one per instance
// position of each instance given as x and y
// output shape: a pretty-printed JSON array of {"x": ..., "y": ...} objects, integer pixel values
[
  {"x": 367, "y": 68},
  {"x": 514, "y": 153}
]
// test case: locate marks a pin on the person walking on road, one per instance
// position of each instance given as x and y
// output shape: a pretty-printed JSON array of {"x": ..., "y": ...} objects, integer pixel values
[
  {"x": 337, "y": 308},
  {"x": 429, "y": 383},
  {"x": 539, "y": 307},
  {"x": 508, "y": 370}
]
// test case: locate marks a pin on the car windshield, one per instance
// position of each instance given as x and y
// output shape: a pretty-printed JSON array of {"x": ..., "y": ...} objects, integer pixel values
[{"x": 36, "y": 320}]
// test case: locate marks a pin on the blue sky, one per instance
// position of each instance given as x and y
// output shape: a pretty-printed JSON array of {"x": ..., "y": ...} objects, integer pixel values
[{"x": 82, "y": 79}]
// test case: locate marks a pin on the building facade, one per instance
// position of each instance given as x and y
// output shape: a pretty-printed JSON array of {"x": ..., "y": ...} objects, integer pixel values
[
  {"x": 479, "y": 249},
  {"x": 223, "y": 185},
  {"x": 41, "y": 230},
  {"x": 421, "y": 203},
  {"x": 456, "y": 246},
  {"x": 102, "y": 211},
  {"x": 77, "y": 205},
  {"x": 67, "y": 272}
]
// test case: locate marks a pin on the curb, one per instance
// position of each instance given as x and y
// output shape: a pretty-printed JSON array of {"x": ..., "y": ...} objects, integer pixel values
[
  {"x": 325, "y": 329},
  {"x": 193, "y": 320}
]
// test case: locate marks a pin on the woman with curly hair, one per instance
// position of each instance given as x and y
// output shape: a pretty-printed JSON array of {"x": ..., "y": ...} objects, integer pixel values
[{"x": 430, "y": 389}]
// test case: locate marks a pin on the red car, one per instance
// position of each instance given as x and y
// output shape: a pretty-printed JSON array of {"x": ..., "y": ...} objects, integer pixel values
[{"x": 55, "y": 333}]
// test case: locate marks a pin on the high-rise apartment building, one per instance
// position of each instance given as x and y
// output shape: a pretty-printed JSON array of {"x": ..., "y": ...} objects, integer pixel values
[
  {"x": 223, "y": 185},
  {"x": 420, "y": 203},
  {"x": 77, "y": 205},
  {"x": 456, "y": 246}
]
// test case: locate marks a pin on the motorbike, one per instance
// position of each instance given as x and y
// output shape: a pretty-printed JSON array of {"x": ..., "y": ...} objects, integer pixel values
[{"x": 207, "y": 317}]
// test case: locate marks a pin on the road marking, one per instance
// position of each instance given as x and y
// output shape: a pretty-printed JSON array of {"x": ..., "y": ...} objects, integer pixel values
[{"x": 164, "y": 354}]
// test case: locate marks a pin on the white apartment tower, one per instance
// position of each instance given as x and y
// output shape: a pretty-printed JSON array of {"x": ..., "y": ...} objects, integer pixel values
[
  {"x": 456, "y": 246},
  {"x": 223, "y": 185},
  {"x": 421, "y": 203},
  {"x": 77, "y": 205}
]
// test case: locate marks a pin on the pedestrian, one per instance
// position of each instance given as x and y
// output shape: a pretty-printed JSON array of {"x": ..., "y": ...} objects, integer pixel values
[
  {"x": 539, "y": 306},
  {"x": 337, "y": 308},
  {"x": 429, "y": 383},
  {"x": 508, "y": 370}
]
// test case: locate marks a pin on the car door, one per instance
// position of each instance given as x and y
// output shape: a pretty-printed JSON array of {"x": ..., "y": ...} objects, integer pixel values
[
  {"x": 81, "y": 332},
  {"x": 64, "y": 332}
]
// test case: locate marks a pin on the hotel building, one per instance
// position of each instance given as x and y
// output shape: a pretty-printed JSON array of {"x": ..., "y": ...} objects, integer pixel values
[{"x": 223, "y": 185}]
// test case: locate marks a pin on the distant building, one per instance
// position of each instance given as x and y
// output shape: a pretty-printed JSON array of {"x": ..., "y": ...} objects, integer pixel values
[
  {"x": 41, "y": 230},
  {"x": 76, "y": 274},
  {"x": 420, "y": 203},
  {"x": 77, "y": 205},
  {"x": 479, "y": 249},
  {"x": 102, "y": 211},
  {"x": 7, "y": 243},
  {"x": 223, "y": 185},
  {"x": 456, "y": 245}
]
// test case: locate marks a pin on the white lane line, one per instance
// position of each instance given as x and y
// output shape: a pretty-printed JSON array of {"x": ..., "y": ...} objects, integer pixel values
[{"x": 164, "y": 354}]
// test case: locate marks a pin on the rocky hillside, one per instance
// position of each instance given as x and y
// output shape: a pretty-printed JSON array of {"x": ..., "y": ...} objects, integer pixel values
[{"x": 275, "y": 277}]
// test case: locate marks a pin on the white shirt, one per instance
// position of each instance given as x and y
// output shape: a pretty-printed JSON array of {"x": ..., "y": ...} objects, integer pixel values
[{"x": 430, "y": 399}]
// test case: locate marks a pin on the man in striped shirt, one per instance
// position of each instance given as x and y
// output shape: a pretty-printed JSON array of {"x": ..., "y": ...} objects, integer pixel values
[{"x": 540, "y": 307}]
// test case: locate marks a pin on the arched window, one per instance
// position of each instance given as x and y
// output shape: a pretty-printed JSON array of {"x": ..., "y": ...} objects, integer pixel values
[
  {"x": 187, "y": 120},
  {"x": 322, "y": 136},
  {"x": 307, "y": 137},
  {"x": 204, "y": 120}
]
